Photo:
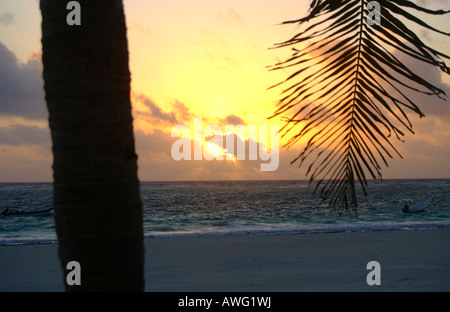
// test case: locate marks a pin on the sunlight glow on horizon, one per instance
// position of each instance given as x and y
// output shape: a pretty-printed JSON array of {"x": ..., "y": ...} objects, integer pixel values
[{"x": 209, "y": 59}]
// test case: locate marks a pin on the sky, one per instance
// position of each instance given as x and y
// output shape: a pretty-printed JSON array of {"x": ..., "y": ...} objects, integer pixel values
[{"x": 196, "y": 59}]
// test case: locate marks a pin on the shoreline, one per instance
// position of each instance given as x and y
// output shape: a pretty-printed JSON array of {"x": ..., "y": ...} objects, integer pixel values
[
  {"x": 410, "y": 260},
  {"x": 250, "y": 233}
]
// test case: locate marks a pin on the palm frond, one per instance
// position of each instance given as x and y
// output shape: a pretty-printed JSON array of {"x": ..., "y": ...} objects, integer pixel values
[{"x": 348, "y": 94}]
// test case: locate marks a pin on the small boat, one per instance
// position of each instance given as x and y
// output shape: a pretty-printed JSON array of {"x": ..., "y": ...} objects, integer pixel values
[
  {"x": 41, "y": 211},
  {"x": 416, "y": 208}
]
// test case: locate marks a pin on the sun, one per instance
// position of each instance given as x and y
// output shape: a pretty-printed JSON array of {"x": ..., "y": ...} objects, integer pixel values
[{"x": 216, "y": 151}]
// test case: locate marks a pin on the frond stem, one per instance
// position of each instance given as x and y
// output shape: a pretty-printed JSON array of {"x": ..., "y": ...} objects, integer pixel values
[{"x": 349, "y": 170}]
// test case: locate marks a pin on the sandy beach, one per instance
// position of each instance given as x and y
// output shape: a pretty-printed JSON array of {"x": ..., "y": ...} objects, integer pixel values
[{"x": 410, "y": 260}]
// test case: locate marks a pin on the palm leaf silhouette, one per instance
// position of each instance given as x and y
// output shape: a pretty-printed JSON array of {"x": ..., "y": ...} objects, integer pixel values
[{"x": 348, "y": 94}]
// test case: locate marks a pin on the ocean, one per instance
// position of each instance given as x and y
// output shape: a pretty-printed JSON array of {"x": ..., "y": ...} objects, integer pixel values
[{"x": 242, "y": 208}]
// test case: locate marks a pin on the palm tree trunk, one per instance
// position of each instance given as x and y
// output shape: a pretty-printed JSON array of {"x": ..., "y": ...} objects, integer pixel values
[{"x": 98, "y": 210}]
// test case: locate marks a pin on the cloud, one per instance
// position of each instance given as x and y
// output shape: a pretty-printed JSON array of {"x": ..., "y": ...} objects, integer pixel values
[
  {"x": 231, "y": 17},
  {"x": 431, "y": 106},
  {"x": 216, "y": 53},
  {"x": 426, "y": 152},
  {"x": 232, "y": 120},
  {"x": 156, "y": 162},
  {"x": 16, "y": 135},
  {"x": 142, "y": 29},
  {"x": 25, "y": 163},
  {"x": 6, "y": 19},
  {"x": 157, "y": 112},
  {"x": 156, "y": 141},
  {"x": 183, "y": 112},
  {"x": 25, "y": 154},
  {"x": 146, "y": 110},
  {"x": 21, "y": 86},
  {"x": 151, "y": 112}
]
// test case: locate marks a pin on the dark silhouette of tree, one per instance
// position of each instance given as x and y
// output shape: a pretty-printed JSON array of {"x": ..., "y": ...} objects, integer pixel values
[
  {"x": 348, "y": 94},
  {"x": 98, "y": 210}
]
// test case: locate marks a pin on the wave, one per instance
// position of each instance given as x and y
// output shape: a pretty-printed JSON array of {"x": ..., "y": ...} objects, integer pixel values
[
  {"x": 276, "y": 229},
  {"x": 300, "y": 229}
]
